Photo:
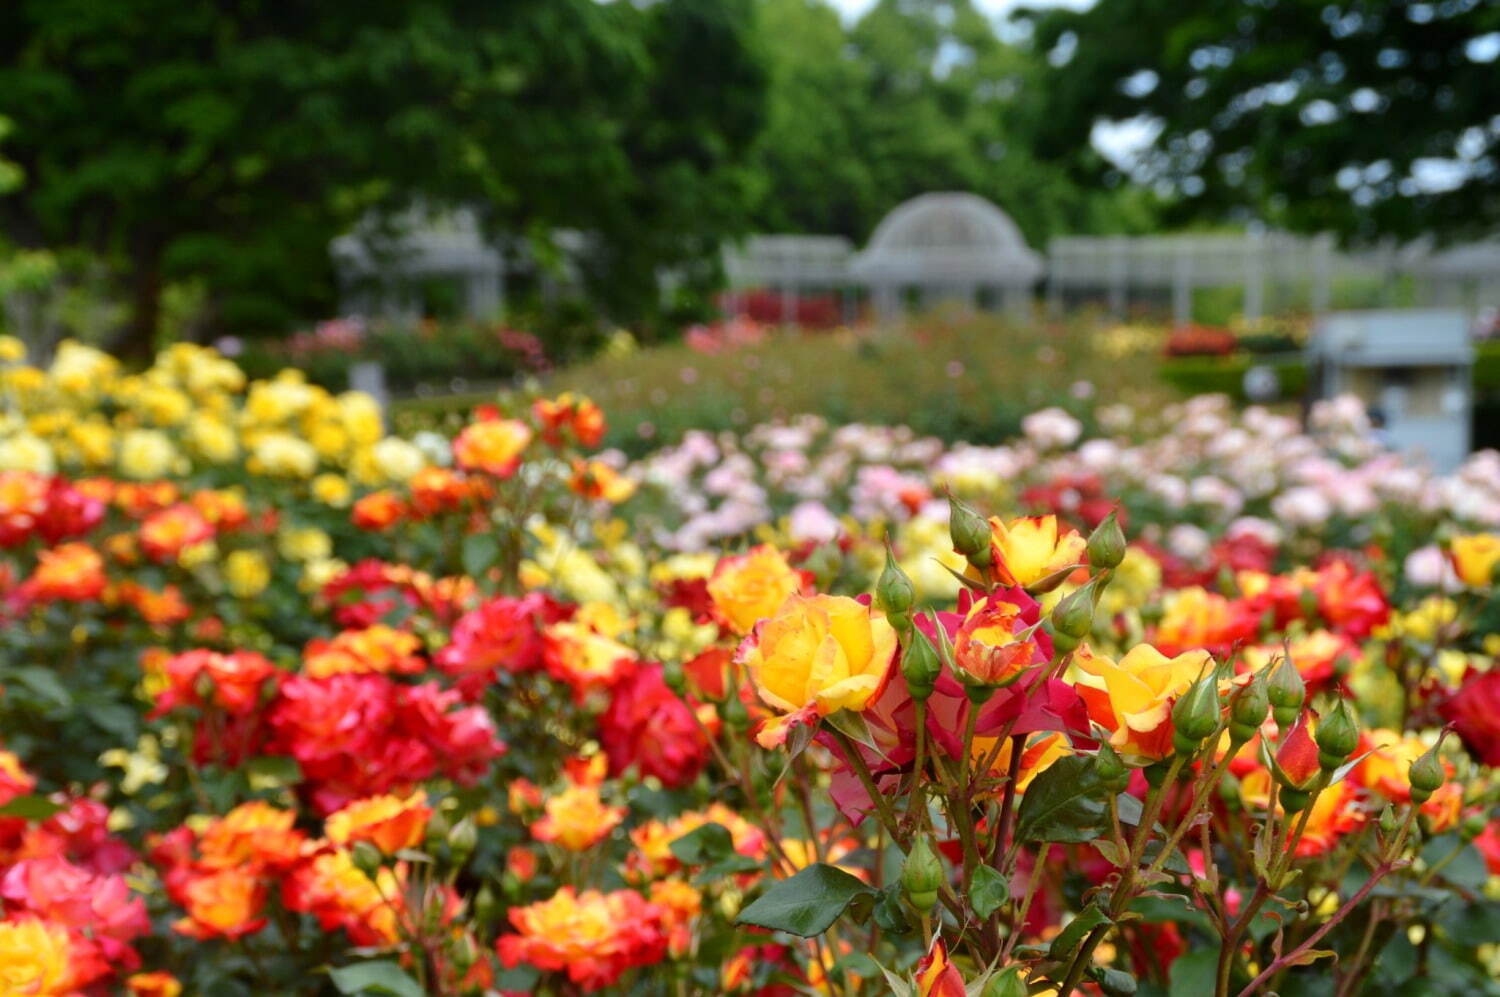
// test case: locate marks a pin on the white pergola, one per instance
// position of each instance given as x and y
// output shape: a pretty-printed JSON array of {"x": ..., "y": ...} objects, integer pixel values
[
  {"x": 378, "y": 265},
  {"x": 946, "y": 246},
  {"x": 789, "y": 265}
]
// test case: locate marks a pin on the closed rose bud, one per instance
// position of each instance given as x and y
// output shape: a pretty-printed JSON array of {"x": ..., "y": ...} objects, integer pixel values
[
  {"x": 671, "y": 674},
  {"x": 1337, "y": 737},
  {"x": 922, "y": 875},
  {"x": 1473, "y": 826},
  {"x": 366, "y": 858},
  {"x": 920, "y": 666},
  {"x": 1287, "y": 692},
  {"x": 1106, "y": 546},
  {"x": 1387, "y": 821},
  {"x": 1111, "y": 769},
  {"x": 734, "y": 715},
  {"x": 1247, "y": 709},
  {"x": 1294, "y": 800},
  {"x": 970, "y": 532},
  {"x": 893, "y": 590},
  {"x": 1073, "y": 615},
  {"x": 463, "y": 838},
  {"x": 1195, "y": 715},
  {"x": 1061, "y": 643},
  {"x": 1426, "y": 775}
]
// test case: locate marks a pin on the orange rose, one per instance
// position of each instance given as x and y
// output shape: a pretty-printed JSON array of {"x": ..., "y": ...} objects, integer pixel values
[
  {"x": 1133, "y": 698},
  {"x": 388, "y": 822},
  {"x": 577, "y": 819},
  {"x": 72, "y": 571},
  {"x": 157, "y": 984},
  {"x": 597, "y": 481},
  {"x": 817, "y": 655},
  {"x": 751, "y": 586},
  {"x": 377, "y": 510},
  {"x": 493, "y": 446},
  {"x": 223, "y": 904},
  {"x": 1034, "y": 552}
]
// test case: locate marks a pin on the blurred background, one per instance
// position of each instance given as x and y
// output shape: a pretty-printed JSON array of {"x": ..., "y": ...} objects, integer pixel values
[{"x": 712, "y": 212}]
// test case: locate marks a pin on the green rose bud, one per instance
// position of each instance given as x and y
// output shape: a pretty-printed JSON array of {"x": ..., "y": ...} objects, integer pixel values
[
  {"x": 894, "y": 593},
  {"x": 1473, "y": 826},
  {"x": 463, "y": 838},
  {"x": 1111, "y": 769},
  {"x": 1388, "y": 822},
  {"x": 1287, "y": 693},
  {"x": 1195, "y": 715},
  {"x": 366, "y": 858},
  {"x": 1106, "y": 546},
  {"x": 1426, "y": 775},
  {"x": 1247, "y": 710},
  {"x": 1337, "y": 736},
  {"x": 1074, "y": 613},
  {"x": 1294, "y": 800},
  {"x": 920, "y": 665},
  {"x": 970, "y": 533},
  {"x": 922, "y": 875},
  {"x": 1061, "y": 643}
]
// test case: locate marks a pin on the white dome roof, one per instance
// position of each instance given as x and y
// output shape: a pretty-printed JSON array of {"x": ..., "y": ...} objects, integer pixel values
[{"x": 948, "y": 238}]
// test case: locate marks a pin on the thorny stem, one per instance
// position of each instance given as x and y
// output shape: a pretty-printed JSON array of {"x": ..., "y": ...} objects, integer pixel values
[{"x": 1291, "y": 957}]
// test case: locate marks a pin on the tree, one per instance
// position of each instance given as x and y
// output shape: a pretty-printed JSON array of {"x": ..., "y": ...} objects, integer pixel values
[
  {"x": 919, "y": 95},
  {"x": 1365, "y": 118},
  {"x": 230, "y": 140}
]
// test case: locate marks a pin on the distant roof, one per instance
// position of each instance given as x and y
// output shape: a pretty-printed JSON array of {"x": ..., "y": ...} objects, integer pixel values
[{"x": 948, "y": 237}]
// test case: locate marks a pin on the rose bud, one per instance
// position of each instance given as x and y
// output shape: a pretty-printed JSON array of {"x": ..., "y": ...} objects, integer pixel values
[
  {"x": 1247, "y": 710},
  {"x": 1195, "y": 715},
  {"x": 920, "y": 666},
  {"x": 1426, "y": 775},
  {"x": 922, "y": 875},
  {"x": 1286, "y": 692},
  {"x": 970, "y": 532},
  {"x": 1106, "y": 546},
  {"x": 1337, "y": 737},
  {"x": 894, "y": 593}
]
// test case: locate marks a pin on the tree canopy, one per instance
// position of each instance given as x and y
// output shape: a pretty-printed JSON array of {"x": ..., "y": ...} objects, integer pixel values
[
  {"x": 1369, "y": 118},
  {"x": 230, "y": 140}
]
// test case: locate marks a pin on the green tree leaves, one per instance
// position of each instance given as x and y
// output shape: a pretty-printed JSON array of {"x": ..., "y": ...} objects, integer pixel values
[{"x": 808, "y": 903}]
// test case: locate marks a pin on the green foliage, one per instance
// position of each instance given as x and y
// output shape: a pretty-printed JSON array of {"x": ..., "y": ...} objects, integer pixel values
[
  {"x": 808, "y": 903},
  {"x": 971, "y": 378},
  {"x": 230, "y": 141},
  {"x": 1226, "y": 375},
  {"x": 1308, "y": 116},
  {"x": 915, "y": 97},
  {"x": 379, "y": 977},
  {"x": 1067, "y": 802}
]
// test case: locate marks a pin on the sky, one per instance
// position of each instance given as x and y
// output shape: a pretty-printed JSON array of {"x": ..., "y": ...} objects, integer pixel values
[{"x": 851, "y": 9}]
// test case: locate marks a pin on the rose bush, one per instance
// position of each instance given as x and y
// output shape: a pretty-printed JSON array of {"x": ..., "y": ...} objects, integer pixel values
[{"x": 1192, "y": 704}]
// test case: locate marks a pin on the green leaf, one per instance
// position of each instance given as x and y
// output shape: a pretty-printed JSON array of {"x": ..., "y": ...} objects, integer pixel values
[
  {"x": 1075, "y": 931},
  {"x": 44, "y": 683},
  {"x": 989, "y": 891},
  {"x": 1193, "y": 973},
  {"x": 808, "y": 903},
  {"x": 30, "y": 807},
  {"x": 277, "y": 770},
  {"x": 703, "y": 845},
  {"x": 890, "y": 912},
  {"x": 481, "y": 551},
  {"x": 1065, "y": 803},
  {"x": 381, "y": 977}
]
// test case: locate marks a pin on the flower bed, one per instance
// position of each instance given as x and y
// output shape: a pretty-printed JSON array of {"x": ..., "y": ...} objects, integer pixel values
[{"x": 1181, "y": 702}]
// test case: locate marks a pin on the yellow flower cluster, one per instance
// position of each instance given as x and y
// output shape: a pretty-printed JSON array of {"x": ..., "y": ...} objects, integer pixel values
[{"x": 192, "y": 408}]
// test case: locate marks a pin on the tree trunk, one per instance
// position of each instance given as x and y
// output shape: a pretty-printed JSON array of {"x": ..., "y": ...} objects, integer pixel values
[{"x": 138, "y": 340}]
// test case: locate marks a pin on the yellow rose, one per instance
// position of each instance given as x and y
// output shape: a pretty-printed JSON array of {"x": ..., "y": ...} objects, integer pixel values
[
  {"x": 12, "y": 350},
  {"x": 146, "y": 454},
  {"x": 35, "y": 957},
  {"x": 246, "y": 573},
  {"x": 283, "y": 455},
  {"x": 1133, "y": 697},
  {"x": 397, "y": 459},
  {"x": 94, "y": 442},
  {"x": 306, "y": 543},
  {"x": 331, "y": 489},
  {"x": 24, "y": 452},
  {"x": 213, "y": 439},
  {"x": 360, "y": 416},
  {"x": 318, "y": 573},
  {"x": 1033, "y": 551},
  {"x": 751, "y": 586},
  {"x": 1475, "y": 557},
  {"x": 817, "y": 655}
]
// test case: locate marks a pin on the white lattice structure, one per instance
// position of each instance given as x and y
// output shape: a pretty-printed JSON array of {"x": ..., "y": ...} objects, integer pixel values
[
  {"x": 379, "y": 266},
  {"x": 788, "y": 264},
  {"x": 946, "y": 246}
]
